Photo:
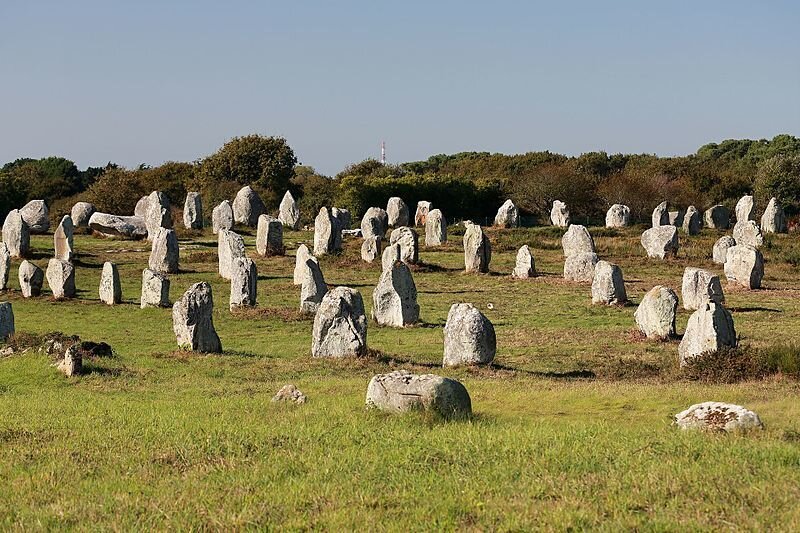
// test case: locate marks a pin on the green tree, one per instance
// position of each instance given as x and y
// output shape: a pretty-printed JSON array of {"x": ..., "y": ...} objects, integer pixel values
[{"x": 779, "y": 176}]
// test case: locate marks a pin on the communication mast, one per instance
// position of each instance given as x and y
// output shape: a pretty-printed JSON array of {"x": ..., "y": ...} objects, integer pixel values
[{"x": 383, "y": 152}]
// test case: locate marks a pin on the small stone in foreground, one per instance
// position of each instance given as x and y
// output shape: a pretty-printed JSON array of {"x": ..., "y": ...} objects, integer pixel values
[
  {"x": 400, "y": 391},
  {"x": 718, "y": 416},
  {"x": 290, "y": 393}
]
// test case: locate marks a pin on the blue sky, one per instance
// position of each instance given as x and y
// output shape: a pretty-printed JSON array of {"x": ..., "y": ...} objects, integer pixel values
[{"x": 147, "y": 81}]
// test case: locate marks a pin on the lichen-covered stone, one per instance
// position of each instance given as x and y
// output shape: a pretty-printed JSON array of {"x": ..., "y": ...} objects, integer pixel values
[
  {"x": 158, "y": 214},
  {"x": 222, "y": 217},
  {"x": 269, "y": 236},
  {"x": 435, "y": 228},
  {"x": 477, "y": 249},
  {"x": 700, "y": 286},
  {"x": 408, "y": 240},
  {"x": 744, "y": 266},
  {"x": 118, "y": 226},
  {"x": 524, "y": 266},
  {"x": 31, "y": 279},
  {"x": 165, "y": 253},
  {"x": 61, "y": 278},
  {"x": 397, "y": 212},
  {"x": 507, "y": 216},
  {"x": 374, "y": 222},
  {"x": 660, "y": 215},
  {"x": 63, "y": 239},
  {"x": 390, "y": 254},
  {"x": 343, "y": 216},
  {"x": 577, "y": 240},
  {"x": 327, "y": 233},
  {"x": 81, "y": 213},
  {"x": 247, "y": 207},
  {"x": 661, "y": 241},
  {"x": 401, "y": 392},
  {"x": 300, "y": 258},
  {"x": 371, "y": 249},
  {"x": 16, "y": 234},
  {"x": 718, "y": 416},
  {"x": 774, "y": 219},
  {"x": 340, "y": 325},
  {"x": 421, "y": 215},
  {"x": 192, "y": 320},
  {"x": 608, "y": 285},
  {"x": 655, "y": 316},
  {"x": 312, "y": 285},
  {"x": 394, "y": 300},
  {"x": 717, "y": 217},
  {"x": 720, "y": 252},
  {"x": 290, "y": 393},
  {"x": 709, "y": 329},
  {"x": 559, "y": 214},
  {"x": 110, "y": 288},
  {"x": 691, "y": 221},
  {"x": 744, "y": 208},
  {"x": 469, "y": 337},
  {"x": 5, "y": 266},
  {"x": 244, "y": 283},
  {"x": 6, "y": 320},
  {"x": 618, "y": 216},
  {"x": 230, "y": 246},
  {"x": 748, "y": 233},
  {"x": 155, "y": 289},
  {"x": 580, "y": 267},
  {"x": 36, "y": 216},
  {"x": 193, "y": 211},
  {"x": 288, "y": 212}
]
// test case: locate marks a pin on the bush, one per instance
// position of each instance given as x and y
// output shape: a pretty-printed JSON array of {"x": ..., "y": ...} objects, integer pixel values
[
  {"x": 117, "y": 191},
  {"x": 730, "y": 365}
]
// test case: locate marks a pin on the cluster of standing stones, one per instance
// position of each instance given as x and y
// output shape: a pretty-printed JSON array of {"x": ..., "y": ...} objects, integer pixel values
[{"x": 340, "y": 324}]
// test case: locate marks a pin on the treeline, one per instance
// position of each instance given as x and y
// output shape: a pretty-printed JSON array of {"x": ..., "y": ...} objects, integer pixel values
[{"x": 464, "y": 185}]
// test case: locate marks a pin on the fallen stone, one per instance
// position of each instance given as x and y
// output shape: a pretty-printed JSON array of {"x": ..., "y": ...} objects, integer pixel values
[
  {"x": 507, "y": 216},
  {"x": 744, "y": 266},
  {"x": 269, "y": 236},
  {"x": 720, "y": 251},
  {"x": 469, "y": 337},
  {"x": 61, "y": 278},
  {"x": 718, "y": 416},
  {"x": 247, "y": 207},
  {"x": 230, "y": 246},
  {"x": 81, "y": 213},
  {"x": 700, "y": 286},
  {"x": 192, "y": 320},
  {"x": 222, "y": 217},
  {"x": 118, "y": 226},
  {"x": 155, "y": 289},
  {"x": 408, "y": 240},
  {"x": 193, "y": 211},
  {"x": 340, "y": 325},
  {"x": 31, "y": 279},
  {"x": 435, "y": 228},
  {"x": 36, "y": 216},
  {"x": 709, "y": 329},
  {"x": 661, "y": 241},
  {"x": 327, "y": 233},
  {"x": 717, "y": 217},
  {"x": 6, "y": 320},
  {"x": 371, "y": 249},
  {"x": 580, "y": 267},
  {"x": 524, "y": 266},
  {"x": 421, "y": 215},
  {"x": 394, "y": 300},
  {"x": 400, "y": 392},
  {"x": 63, "y": 239},
  {"x": 110, "y": 288},
  {"x": 477, "y": 249},
  {"x": 165, "y": 253},
  {"x": 660, "y": 215},
  {"x": 577, "y": 240},
  {"x": 290, "y": 393},
  {"x": 774, "y": 219},
  {"x": 608, "y": 286},
  {"x": 559, "y": 214},
  {"x": 397, "y": 212},
  {"x": 244, "y": 283},
  {"x": 618, "y": 216},
  {"x": 655, "y": 316},
  {"x": 16, "y": 234},
  {"x": 288, "y": 212}
]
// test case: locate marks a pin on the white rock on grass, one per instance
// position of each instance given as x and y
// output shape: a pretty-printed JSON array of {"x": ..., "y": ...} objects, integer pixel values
[
  {"x": 165, "y": 253},
  {"x": 36, "y": 216},
  {"x": 110, "y": 290},
  {"x": 244, "y": 283},
  {"x": 327, "y": 233},
  {"x": 655, "y": 316},
  {"x": 774, "y": 219},
  {"x": 580, "y": 267},
  {"x": 371, "y": 249},
  {"x": 700, "y": 286},
  {"x": 16, "y": 234},
  {"x": 247, "y": 207},
  {"x": 718, "y": 416},
  {"x": 469, "y": 337},
  {"x": 421, "y": 215},
  {"x": 31, "y": 279},
  {"x": 397, "y": 212},
  {"x": 720, "y": 251},
  {"x": 81, "y": 213},
  {"x": 524, "y": 265},
  {"x": 747, "y": 232},
  {"x": 340, "y": 325},
  {"x": 288, "y": 212},
  {"x": 193, "y": 211},
  {"x": 118, "y": 226},
  {"x": 374, "y": 222},
  {"x": 72, "y": 362},
  {"x": 6, "y": 320},
  {"x": 709, "y": 329},
  {"x": 744, "y": 208},
  {"x": 408, "y": 240},
  {"x": 61, "y": 278},
  {"x": 290, "y": 393},
  {"x": 661, "y": 241},
  {"x": 312, "y": 286},
  {"x": 618, "y": 216},
  {"x": 222, "y": 217},
  {"x": 477, "y": 249},
  {"x": 507, "y": 216},
  {"x": 5, "y": 266},
  {"x": 608, "y": 286},
  {"x": 230, "y": 246},
  {"x": 435, "y": 228},
  {"x": 660, "y": 215},
  {"x": 192, "y": 320},
  {"x": 269, "y": 236},
  {"x": 691, "y": 221},
  {"x": 577, "y": 240},
  {"x": 63, "y": 240},
  {"x": 394, "y": 300},
  {"x": 717, "y": 217},
  {"x": 155, "y": 289},
  {"x": 744, "y": 266},
  {"x": 401, "y": 391},
  {"x": 559, "y": 214},
  {"x": 158, "y": 214}
]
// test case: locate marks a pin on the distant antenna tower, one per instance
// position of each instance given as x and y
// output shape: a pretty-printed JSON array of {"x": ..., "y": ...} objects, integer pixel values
[{"x": 383, "y": 152}]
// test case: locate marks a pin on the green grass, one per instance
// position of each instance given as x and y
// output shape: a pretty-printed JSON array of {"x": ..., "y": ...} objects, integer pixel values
[{"x": 155, "y": 438}]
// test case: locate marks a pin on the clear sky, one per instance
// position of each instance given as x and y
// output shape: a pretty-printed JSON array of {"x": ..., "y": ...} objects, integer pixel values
[{"x": 144, "y": 81}]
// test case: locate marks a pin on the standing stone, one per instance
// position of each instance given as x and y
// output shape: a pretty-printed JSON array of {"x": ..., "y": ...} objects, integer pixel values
[
  {"x": 507, "y": 216},
  {"x": 300, "y": 258},
  {"x": 660, "y": 215},
  {"x": 390, "y": 254},
  {"x": 435, "y": 228},
  {"x": 247, "y": 207},
  {"x": 81, "y": 213},
  {"x": 193, "y": 211},
  {"x": 192, "y": 320},
  {"x": 374, "y": 222},
  {"x": 36, "y": 216},
  {"x": 718, "y": 417},
  {"x": 230, "y": 246},
  {"x": 16, "y": 234},
  {"x": 408, "y": 240},
  {"x": 117, "y": 226},
  {"x": 747, "y": 232},
  {"x": 421, "y": 215},
  {"x": 580, "y": 267},
  {"x": 559, "y": 214},
  {"x": 371, "y": 249},
  {"x": 343, "y": 216},
  {"x": 244, "y": 282},
  {"x": 394, "y": 300},
  {"x": 774, "y": 219},
  {"x": 691, "y": 221},
  {"x": 155, "y": 289},
  {"x": 397, "y": 212},
  {"x": 62, "y": 239},
  {"x": 700, "y": 286},
  {"x": 717, "y": 217},
  {"x": 31, "y": 279},
  {"x": 288, "y": 213},
  {"x": 709, "y": 329},
  {"x": 401, "y": 392},
  {"x": 269, "y": 236},
  {"x": 655, "y": 316},
  {"x": 608, "y": 286},
  {"x": 676, "y": 218},
  {"x": 61, "y": 278},
  {"x": 5, "y": 266},
  {"x": 72, "y": 363},
  {"x": 618, "y": 216},
  {"x": 141, "y": 207},
  {"x": 222, "y": 217},
  {"x": 312, "y": 285},
  {"x": 524, "y": 267},
  {"x": 6, "y": 320},
  {"x": 158, "y": 214},
  {"x": 744, "y": 265},
  {"x": 110, "y": 287},
  {"x": 577, "y": 240},
  {"x": 720, "y": 251},
  {"x": 327, "y": 233},
  {"x": 477, "y": 249},
  {"x": 744, "y": 208},
  {"x": 661, "y": 241},
  {"x": 469, "y": 337},
  {"x": 340, "y": 325},
  {"x": 165, "y": 253}
]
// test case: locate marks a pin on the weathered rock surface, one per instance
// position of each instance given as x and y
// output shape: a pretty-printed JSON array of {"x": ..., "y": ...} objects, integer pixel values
[
  {"x": 16, "y": 234},
  {"x": 618, "y": 216},
  {"x": 343, "y": 216},
  {"x": 720, "y": 251},
  {"x": 72, "y": 362},
  {"x": 63, "y": 239},
  {"x": 608, "y": 286},
  {"x": 244, "y": 283},
  {"x": 747, "y": 232},
  {"x": 312, "y": 285},
  {"x": 744, "y": 208},
  {"x": 507, "y": 216},
  {"x": 6, "y": 320},
  {"x": 655, "y": 316},
  {"x": 718, "y": 416},
  {"x": 269, "y": 236},
  {"x": 327, "y": 233},
  {"x": 717, "y": 217},
  {"x": 158, "y": 214},
  {"x": 691, "y": 221},
  {"x": 340, "y": 325},
  {"x": 469, "y": 337},
  {"x": 36, "y": 216},
  {"x": 165, "y": 253},
  {"x": 222, "y": 217},
  {"x": 290, "y": 393},
  {"x": 559, "y": 214},
  {"x": 397, "y": 212},
  {"x": 192, "y": 320},
  {"x": 524, "y": 266},
  {"x": 230, "y": 246},
  {"x": 155, "y": 289},
  {"x": 5, "y": 266},
  {"x": 744, "y": 266},
  {"x": 580, "y": 267},
  {"x": 421, "y": 215},
  {"x": 193, "y": 211},
  {"x": 661, "y": 241},
  {"x": 300, "y": 258},
  {"x": 371, "y": 249},
  {"x": 577, "y": 240},
  {"x": 709, "y": 329},
  {"x": 435, "y": 228},
  {"x": 394, "y": 300},
  {"x": 288, "y": 212},
  {"x": 700, "y": 286},
  {"x": 118, "y": 226},
  {"x": 110, "y": 288},
  {"x": 660, "y": 215},
  {"x": 247, "y": 207},
  {"x": 374, "y": 222},
  {"x": 31, "y": 279},
  {"x": 141, "y": 207},
  {"x": 774, "y": 219},
  {"x": 81, "y": 213},
  {"x": 408, "y": 240},
  {"x": 390, "y": 254},
  {"x": 400, "y": 392},
  {"x": 477, "y": 249},
  {"x": 61, "y": 278}
]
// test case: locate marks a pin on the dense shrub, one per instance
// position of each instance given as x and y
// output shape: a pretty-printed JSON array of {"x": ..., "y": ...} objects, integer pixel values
[
  {"x": 730, "y": 365},
  {"x": 779, "y": 176}
]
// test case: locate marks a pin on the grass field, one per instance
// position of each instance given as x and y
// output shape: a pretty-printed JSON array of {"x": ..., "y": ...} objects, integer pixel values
[{"x": 572, "y": 425}]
